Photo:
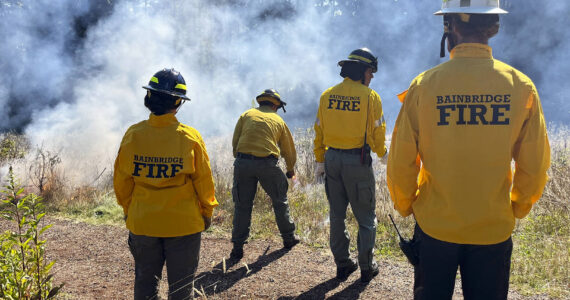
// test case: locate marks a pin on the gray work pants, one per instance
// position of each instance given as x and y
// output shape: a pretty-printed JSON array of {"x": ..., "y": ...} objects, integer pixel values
[
  {"x": 349, "y": 181},
  {"x": 247, "y": 172},
  {"x": 150, "y": 253}
]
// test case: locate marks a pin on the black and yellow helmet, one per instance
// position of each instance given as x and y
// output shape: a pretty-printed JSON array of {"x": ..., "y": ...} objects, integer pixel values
[
  {"x": 362, "y": 56},
  {"x": 168, "y": 81},
  {"x": 272, "y": 96}
]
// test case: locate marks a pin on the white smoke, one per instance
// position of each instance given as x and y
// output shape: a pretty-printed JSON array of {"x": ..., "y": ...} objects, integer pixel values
[{"x": 79, "y": 94}]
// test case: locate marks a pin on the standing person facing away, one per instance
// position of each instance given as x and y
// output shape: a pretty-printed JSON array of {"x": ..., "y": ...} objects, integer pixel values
[
  {"x": 350, "y": 124},
  {"x": 260, "y": 137},
  {"x": 461, "y": 125},
  {"x": 163, "y": 181}
]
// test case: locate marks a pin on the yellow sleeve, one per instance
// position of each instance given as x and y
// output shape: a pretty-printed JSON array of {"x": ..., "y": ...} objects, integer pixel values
[
  {"x": 403, "y": 159},
  {"x": 377, "y": 126},
  {"x": 318, "y": 146},
  {"x": 237, "y": 134},
  {"x": 202, "y": 179},
  {"x": 123, "y": 184},
  {"x": 532, "y": 159},
  {"x": 287, "y": 147}
]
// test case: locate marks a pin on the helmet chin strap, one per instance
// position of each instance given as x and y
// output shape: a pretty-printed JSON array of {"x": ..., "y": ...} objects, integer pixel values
[
  {"x": 446, "y": 36},
  {"x": 182, "y": 101},
  {"x": 442, "y": 48}
]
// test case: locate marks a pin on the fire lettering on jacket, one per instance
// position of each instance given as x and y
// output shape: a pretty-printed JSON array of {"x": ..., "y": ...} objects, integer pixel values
[
  {"x": 474, "y": 114},
  {"x": 156, "y": 167},
  {"x": 482, "y": 98},
  {"x": 485, "y": 109},
  {"x": 340, "y": 102}
]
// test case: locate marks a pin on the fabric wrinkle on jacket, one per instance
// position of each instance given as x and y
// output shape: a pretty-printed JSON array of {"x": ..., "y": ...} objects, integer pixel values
[
  {"x": 349, "y": 102},
  {"x": 453, "y": 143},
  {"x": 262, "y": 132},
  {"x": 163, "y": 179}
]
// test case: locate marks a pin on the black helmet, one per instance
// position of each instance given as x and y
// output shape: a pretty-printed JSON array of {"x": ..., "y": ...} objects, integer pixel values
[
  {"x": 362, "y": 56},
  {"x": 168, "y": 82},
  {"x": 272, "y": 96}
]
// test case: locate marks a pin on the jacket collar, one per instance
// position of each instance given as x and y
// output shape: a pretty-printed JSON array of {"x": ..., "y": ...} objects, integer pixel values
[
  {"x": 162, "y": 120},
  {"x": 266, "y": 109},
  {"x": 471, "y": 50},
  {"x": 350, "y": 81}
]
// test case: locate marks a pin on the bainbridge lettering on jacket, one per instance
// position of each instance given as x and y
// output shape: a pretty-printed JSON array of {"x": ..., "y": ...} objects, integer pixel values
[
  {"x": 339, "y": 102},
  {"x": 474, "y": 109},
  {"x": 156, "y": 167}
]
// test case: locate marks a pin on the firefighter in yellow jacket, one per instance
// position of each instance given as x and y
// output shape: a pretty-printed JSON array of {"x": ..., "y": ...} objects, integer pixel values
[
  {"x": 260, "y": 138},
  {"x": 460, "y": 126},
  {"x": 349, "y": 125},
  {"x": 163, "y": 181}
]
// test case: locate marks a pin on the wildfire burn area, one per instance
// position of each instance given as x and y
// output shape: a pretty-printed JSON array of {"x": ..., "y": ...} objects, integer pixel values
[{"x": 94, "y": 263}]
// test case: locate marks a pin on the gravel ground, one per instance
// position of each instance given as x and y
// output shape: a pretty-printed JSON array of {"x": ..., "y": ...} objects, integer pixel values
[{"x": 94, "y": 263}]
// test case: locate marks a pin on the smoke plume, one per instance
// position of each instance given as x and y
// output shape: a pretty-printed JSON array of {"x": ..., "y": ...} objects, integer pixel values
[{"x": 72, "y": 70}]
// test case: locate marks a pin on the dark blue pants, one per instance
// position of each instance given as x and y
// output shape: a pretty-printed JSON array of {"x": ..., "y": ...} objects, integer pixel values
[
  {"x": 181, "y": 255},
  {"x": 485, "y": 269}
]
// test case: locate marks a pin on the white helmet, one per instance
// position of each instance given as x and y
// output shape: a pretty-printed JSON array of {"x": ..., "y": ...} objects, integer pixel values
[{"x": 470, "y": 7}]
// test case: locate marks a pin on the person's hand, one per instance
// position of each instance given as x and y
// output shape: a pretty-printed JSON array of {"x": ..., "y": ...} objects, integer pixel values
[
  {"x": 290, "y": 174},
  {"x": 207, "y": 223},
  {"x": 319, "y": 171}
]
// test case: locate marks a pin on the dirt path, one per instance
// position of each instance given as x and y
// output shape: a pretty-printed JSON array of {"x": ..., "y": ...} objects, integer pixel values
[{"x": 94, "y": 262}]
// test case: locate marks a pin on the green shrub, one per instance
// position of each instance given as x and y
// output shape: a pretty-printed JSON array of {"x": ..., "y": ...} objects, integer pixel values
[{"x": 24, "y": 271}]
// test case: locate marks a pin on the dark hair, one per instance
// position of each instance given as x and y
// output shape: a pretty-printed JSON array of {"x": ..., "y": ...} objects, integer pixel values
[
  {"x": 159, "y": 103},
  {"x": 266, "y": 103},
  {"x": 483, "y": 26},
  {"x": 353, "y": 70}
]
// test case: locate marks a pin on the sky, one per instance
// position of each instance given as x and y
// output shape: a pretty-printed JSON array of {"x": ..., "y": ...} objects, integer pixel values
[{"x": 72, "y": 70}]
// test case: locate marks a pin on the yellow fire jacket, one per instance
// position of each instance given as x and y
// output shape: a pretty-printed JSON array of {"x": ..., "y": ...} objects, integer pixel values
[
  {"x": 262, "y": 132},
  {"x": 342, "y": 119},
  {"x": 163, "y": 178},
  {"x": 460, "y": 126}
]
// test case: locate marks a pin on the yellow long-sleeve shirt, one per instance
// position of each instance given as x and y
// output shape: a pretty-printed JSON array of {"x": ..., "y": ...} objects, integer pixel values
[
  {"x": 341, "y": 119},
  {"x": 262, "y": 132},
  {"x": 460, "y": 126},
  {"x": 163, "y": 179}
]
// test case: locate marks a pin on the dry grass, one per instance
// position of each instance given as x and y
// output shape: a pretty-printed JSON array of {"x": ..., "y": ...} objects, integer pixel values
[
  {"x": 540, "y": 261},
  {"x": 541, "y": 254}
]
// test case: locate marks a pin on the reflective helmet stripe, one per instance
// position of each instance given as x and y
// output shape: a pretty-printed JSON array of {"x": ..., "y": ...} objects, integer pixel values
[
  {"x": 168, "y": 81},
  {"x": 364, "y": 59}
]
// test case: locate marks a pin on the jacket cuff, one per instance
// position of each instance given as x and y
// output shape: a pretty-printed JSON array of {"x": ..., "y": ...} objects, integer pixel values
[
  {"x": 205, "y": 212},
  {"x": 520, "y": 210}
]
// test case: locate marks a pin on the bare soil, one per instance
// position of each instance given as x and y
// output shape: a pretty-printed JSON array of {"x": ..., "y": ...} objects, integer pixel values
[{"x": 94, "y": 263}]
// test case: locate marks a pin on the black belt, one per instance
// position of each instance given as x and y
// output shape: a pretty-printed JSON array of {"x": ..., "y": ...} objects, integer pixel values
[
  {"x": 249, "y": 156},
  {"x": 357, "y": 151}
]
